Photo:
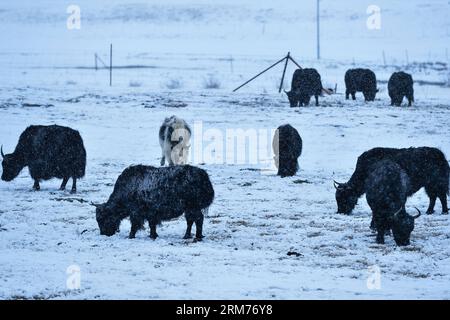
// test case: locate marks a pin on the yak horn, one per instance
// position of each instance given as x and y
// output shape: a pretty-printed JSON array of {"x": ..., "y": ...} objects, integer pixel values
[
  {"x": 1, "y": 151},
  {"x": 415, "y": 217},
  {"x": 337, "y": 185},
  {"x": 398, "y": 211},
  {"x": 95, "y": 204}
]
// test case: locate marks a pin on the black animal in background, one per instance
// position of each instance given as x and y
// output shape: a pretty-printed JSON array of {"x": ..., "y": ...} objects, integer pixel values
[
  {"x": 49, "y": 152},
  {"x": 146, "y": 193},
  {"x": 425, "y": 167},
  {"x": 305, "y": 84},
  {"x": 287, "y": 147},
  {"x": 401, "y": 85},
  {"x": 361, "y": 80},
  {"x": 387, "y": 188}
]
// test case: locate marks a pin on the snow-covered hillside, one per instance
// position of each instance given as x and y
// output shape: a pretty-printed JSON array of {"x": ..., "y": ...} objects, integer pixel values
[{"x": 169, "y": 54}]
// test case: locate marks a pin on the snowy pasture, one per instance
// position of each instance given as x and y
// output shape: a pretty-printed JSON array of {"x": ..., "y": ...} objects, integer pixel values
[{"x": 265, "y": 237}]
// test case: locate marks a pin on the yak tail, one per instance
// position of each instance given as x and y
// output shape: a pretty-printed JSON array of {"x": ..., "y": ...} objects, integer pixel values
[
  {"x": 205, "y": 211},
  {"x": 448, "y": 177}
]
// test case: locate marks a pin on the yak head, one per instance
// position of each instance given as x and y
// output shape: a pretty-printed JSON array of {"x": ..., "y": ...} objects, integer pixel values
[
  {"x": 12, "y": 165},
  {"x": 108, "y": 222},
  {"x": 293, "y": 97},
  {"x": 346, "y": 197},
  {"x": 402, "y": 226},
  {"x": 370, "y": 96}
]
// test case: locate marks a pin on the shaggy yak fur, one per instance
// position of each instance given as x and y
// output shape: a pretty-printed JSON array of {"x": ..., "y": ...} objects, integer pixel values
[
  {"x": 145, "y": 193},
  {"x": 49, "y": 152},
  {"x": 426, "y": 167}
]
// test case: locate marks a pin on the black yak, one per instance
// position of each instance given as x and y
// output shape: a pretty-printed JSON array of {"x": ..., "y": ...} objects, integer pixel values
[
  {"x": 287, "y": 147},
  {"x": 146, "y": 193},
  {"x": 305, "y": 84},
  {"x": 425, "y": 167},
  {"x": 174, "y": 137},
  {"x": 361, "y": 80},
  {"x": 387, "y": 188},
  {"x": 49, "y": 152},
  {"x": 401, "y": 85}
]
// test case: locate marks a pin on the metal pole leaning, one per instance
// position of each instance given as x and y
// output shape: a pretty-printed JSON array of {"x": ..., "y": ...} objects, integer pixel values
[
  {"x": 284, "y": 71},
  {"x": 260, "y": 74},
  {"x": 295, "y": 62}
]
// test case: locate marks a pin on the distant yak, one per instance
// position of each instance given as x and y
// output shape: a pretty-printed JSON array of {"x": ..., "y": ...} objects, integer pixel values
[
  {"x": 49, "y": 152},
  {"x": 387, "y": 188},
  {"x": 145, "y": 193},
  {"x": 305, "y": 84},
  {"x": 287, "y": 147},
  {"x": 426, "y": 167},
  {"x": 361, "y": 80},
  {"x": 401, "y": 85},
  {"x": 174, "y": 139}
]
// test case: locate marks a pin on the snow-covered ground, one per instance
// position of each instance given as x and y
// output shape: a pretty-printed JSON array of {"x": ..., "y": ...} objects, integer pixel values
[{"x": 257, "y": 218}]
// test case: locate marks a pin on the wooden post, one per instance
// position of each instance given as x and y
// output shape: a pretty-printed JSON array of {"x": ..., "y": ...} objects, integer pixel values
[
  {"x": 95, "y": 62},
  {"x": 110, "y": 65},
  {"x": 318, "y": 29},
  {"x": 284, "y": 71},
  {"x": 384, "y": 59},
  {"x": 231, "y": 64}
]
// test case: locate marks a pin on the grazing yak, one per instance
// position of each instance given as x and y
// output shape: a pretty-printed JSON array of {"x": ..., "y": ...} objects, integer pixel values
[
  {"x": 401, "y": 85},
  {"x": 146, "y": 193},
  {"x": 361, "y": 80},
  {"x": 49, "y": 152},
  {"x": 425, "y": 167},
  {"x": 174, "y": 137},
  {"x": 305, "y": 84},
  {"x": 387, "y": 188},
  {"x": 287, "y": 147}
]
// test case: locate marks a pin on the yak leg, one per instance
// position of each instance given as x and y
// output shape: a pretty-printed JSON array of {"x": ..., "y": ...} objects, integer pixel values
[
  {"x": 380, "y": 236},
  {"x": 354, "y": 95},
  {"x": 347, "y": 94},
  {"x": 430, "y": 209},
  {"x": 63, "y": 184},
  {"x": 136, "y": 224},
  {"x": 199, "y": 227},
  {"x": 188, "y": 234},
  {"x": 152, "y": 226},
  {"x": 169, "y": 159},
  {"x": 163, "y": 160},
  {"x": 410, "y": 100},
  {"x": 134, "y": 229},
  {"x": 372, "y": 225},
  {"x": 443, "y": 198},
  {"x": 36, "y": 185},
  {"x": 74, "y": 185},
  {"x": 317, "y": 100}
]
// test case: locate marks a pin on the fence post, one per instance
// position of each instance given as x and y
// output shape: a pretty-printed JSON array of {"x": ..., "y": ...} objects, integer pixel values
[{"x": 110, "y": 65}]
